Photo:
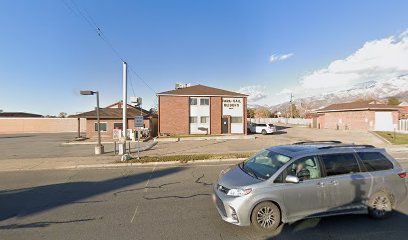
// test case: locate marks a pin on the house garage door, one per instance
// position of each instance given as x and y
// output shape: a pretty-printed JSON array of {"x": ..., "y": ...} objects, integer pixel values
[{"x": 383, "y": 121}]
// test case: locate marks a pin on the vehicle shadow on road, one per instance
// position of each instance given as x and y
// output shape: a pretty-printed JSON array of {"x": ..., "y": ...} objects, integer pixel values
[
  {"x": 356, "y": 226},
  {"x": 28, "y": 201},
  {"x": 345, "y": 227}
]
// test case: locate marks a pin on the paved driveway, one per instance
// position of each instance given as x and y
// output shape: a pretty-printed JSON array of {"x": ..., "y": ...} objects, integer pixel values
[
  {"x": 49, "y": 145},
  {"x": 149, "y": 203}
]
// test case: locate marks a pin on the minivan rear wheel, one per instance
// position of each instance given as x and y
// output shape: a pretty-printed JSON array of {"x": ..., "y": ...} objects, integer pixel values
[
  {"x": 266, "y": 217},
  {"x": 264, "y": 132},
  {"x": 380, "y": 205}
]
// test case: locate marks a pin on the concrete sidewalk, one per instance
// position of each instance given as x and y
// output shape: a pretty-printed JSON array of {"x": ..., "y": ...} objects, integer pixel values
[
  {"x": 114, "y": 162},
  {"x": 55, "y": 163}
]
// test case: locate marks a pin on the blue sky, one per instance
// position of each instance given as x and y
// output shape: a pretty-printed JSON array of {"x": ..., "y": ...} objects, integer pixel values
[{"x": 48, "y": 52}]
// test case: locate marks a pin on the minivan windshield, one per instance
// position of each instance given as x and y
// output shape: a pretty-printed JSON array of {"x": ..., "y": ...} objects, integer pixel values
[{"x": 264, "y": 164}]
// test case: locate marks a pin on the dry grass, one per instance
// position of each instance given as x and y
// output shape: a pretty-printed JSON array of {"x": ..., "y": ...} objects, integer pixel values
[{"x": 191, "y": 157}]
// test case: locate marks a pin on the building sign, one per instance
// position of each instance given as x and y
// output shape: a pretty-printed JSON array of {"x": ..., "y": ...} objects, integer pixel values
[
  {"x": 139, "y": 121},
  {"x": 232, "y": 103},
  {"x": 233, "y": 106}
]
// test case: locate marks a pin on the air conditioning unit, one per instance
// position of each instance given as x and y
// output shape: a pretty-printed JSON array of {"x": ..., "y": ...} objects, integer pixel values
[
  {"x": 135, "y": 101},
  {"x": 182, "y": 85}
]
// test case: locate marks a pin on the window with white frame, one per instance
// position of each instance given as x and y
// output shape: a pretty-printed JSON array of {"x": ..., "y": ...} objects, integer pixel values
[
  {"x": 193, "y": 119},
  {"x": 205, "y": 119},
  {"x": 103, "y": 126},
  {"x": 193, "y": 101},
  {"x": 236, "y": 119},
  {"x": 204, "y": 101},
  {"x": 118, "y": 126}
]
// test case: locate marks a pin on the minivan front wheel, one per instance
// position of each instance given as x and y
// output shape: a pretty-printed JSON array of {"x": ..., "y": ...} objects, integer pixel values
[
  {"x": 379, "y": 205},
  {"x": 266, "y": 216},
  {"x": 264, "y": 132}
]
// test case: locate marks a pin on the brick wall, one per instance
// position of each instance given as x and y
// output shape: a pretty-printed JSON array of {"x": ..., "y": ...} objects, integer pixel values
[
  {"x": 245, "y": 117},
  {"x": 174, "y": 112},
  {"x": 353, "y": 120},
  {"x": 216, "y": 114}
]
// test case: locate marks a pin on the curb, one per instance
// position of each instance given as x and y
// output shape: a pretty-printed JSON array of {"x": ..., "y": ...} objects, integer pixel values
[
  {"x": 229, "y": 137},
  {"x": 118, "y": 165},
  {"x": 381, "y": 138},
  {"x": 153, "y": 163}
]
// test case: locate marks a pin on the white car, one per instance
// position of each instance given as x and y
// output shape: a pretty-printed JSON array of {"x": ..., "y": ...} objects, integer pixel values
[{"x": 264, "y": 128}]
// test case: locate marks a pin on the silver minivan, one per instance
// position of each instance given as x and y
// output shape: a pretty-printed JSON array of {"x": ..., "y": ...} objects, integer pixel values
[{"x": 309, "y": 179}]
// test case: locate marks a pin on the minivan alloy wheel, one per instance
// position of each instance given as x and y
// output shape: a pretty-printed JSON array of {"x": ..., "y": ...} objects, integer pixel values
[
  {"x": 381, "y": 205},
  {"x": 265, "y": 217}
]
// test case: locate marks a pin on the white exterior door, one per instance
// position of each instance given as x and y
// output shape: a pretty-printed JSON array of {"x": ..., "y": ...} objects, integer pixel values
[{"x": 383, "y": 121}]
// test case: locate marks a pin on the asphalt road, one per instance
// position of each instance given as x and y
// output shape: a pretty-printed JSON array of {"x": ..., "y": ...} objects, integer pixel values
[{"x": 162, "y": 202}]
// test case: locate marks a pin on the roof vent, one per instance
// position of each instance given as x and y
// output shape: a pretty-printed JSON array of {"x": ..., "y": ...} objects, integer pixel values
[{"x": 182, "y": 85}]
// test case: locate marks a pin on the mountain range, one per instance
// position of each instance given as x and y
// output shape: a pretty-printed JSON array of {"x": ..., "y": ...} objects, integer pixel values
[{"x": 377, "y": 90}]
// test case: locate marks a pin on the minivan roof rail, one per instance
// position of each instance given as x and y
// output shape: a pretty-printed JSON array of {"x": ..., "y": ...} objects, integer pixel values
[
  {"x": 348, "y": 146},
  {"x": 320, "y": 142}
]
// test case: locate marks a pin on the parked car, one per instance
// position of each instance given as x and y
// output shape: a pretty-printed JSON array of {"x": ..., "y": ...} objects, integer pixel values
[
  {"x": 310, "y": 179},
  {"x": 264, "y": 128}
]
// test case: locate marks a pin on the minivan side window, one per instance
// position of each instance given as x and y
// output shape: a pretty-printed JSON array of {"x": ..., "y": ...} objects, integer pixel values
[
  {"x": 305, "y": 168},
  {"x": 342, "y": 163},
  {"x": 375, "y": 161}
]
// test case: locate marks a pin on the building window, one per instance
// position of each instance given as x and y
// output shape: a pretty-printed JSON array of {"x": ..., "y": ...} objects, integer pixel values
[
  {"x": 205, "y": 119},
  {"x": 193, "y": 101},
  {"x": 117, "y": 126},
  {"x": 204, "y": 101},
  {"x": 103, "y": 125},
  {"x": 193, "y": 119},
  {"x": 236, "y": 119}
]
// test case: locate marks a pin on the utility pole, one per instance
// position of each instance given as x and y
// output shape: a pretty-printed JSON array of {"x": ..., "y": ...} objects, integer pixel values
[
  {"x": 124, "y": 103},
  {"x": 291, "y": 107},
  {"x": 122, "y": 144}
]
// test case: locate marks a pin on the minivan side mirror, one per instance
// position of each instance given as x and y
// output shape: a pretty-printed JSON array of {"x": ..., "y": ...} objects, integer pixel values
[{"x": 291, "y": 179}]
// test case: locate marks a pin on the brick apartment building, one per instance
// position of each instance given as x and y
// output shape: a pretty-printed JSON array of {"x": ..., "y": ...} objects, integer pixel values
[
  {"x": 367, "y": 115},
  {"x": 202, "y": 110}
]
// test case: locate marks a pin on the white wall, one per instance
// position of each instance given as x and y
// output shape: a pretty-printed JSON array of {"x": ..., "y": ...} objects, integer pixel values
[
  {"x": 200, "y": 111},
  {"x": 295, "y": 121},
  {"x": 234, "y": 107}
]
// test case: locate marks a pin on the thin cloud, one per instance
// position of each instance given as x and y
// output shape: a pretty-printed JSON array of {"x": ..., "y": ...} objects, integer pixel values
[
  {"x": 255, "y": 92},
  {"x": 280, "y": 57},
  {"x": 284, "y": 91}
]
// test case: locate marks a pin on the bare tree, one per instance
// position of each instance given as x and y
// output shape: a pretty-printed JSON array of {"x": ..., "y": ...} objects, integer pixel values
[{"x": 62, "y": 115}]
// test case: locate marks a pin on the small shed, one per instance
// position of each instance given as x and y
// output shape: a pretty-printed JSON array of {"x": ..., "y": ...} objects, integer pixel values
[{"x": 367, "y": 115}]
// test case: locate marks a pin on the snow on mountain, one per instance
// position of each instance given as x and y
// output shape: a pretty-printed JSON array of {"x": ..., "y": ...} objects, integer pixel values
[{"x": 397, "y": 87}]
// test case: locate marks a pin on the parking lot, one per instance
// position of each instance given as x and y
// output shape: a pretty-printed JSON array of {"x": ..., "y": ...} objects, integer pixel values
[
  {"x": 153, "y": 202},
  {"x": 26, "y": 146}
]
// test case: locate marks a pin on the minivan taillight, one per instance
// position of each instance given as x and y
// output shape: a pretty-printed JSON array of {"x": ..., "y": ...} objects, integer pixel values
[{"x": 402, "y": 175}]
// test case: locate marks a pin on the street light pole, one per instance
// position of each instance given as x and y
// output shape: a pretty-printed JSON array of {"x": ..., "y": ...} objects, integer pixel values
[
  {"x": 99, "y": 122},
  {"x": 99, "y": 149}
]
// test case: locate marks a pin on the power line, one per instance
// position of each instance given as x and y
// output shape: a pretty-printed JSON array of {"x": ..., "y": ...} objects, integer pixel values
[
  {"x": 95, "y": 27},
  {"x": 138, "y": 76}
]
